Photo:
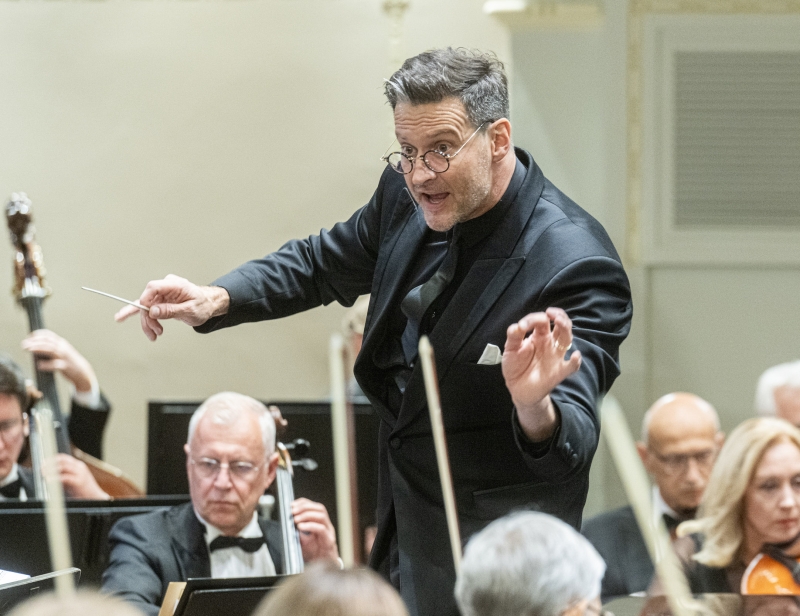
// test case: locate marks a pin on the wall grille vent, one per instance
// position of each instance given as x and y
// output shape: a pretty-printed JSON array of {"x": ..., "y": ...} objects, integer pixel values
[{"x": 737, "y": 139}]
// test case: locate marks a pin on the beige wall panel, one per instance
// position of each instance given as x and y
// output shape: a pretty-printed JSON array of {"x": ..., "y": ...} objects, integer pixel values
[
  {"x": 187, "y": 137},
  {"x": 714, "y": 331}
]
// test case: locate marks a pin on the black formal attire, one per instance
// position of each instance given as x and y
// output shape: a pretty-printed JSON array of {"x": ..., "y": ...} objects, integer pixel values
[
  {"x": 149, "y": 551},
  {"x": 86, "y": 426},
  {"x": 534, "y": 249},
  {"x": 617, "y": 538}
]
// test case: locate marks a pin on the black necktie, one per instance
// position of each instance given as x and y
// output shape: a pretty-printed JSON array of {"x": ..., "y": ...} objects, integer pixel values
[
  {"x": 11, "y": 490},
  {"x": 420, "y": 298},
  {"x": 248, "y": 544},
  {"x": 671, "y": 523}
]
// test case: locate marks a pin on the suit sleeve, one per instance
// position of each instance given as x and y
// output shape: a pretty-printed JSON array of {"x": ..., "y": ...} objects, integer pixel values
[
  {"x": 594, "y": 292},
  {"x": 336, "y": 265},
  {"x": 132, "y": 574},
  {"x": 86, "y": 426}
]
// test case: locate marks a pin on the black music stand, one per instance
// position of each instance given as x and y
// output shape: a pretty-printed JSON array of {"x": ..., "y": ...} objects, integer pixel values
[
  {"x": 211, "y": 597},
  {"x": 16, "y": 592}
]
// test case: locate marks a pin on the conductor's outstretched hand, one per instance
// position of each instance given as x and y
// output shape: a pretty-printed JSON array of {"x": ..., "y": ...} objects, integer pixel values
[
  {"x": 534, "y": 364},
  {"x": 176, "y": 298}
]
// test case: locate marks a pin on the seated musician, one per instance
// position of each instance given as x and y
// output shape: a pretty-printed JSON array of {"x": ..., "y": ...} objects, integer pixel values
[
  {"x": 16, "y": 481},
  {"x": 230, "y": 461},
  {"x": 680, "y": 439},
  {"x": 778, "y": 392},
  {"x": 752, "y": 500},
  {"x": 529, "y": 563}
]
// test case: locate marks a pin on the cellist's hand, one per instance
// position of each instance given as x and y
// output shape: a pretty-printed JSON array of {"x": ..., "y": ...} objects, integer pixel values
[
  {"x": 534, "y": 364},
  {"x": 176, "y": 298},
  {"x": 317, "y": 535}
]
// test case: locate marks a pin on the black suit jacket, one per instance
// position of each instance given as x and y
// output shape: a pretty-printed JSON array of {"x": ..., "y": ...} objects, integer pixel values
[
  {"x": 546, "y": 251},
  {"x": 149, "y": 551},
  {"x": 616, "y": 536},
  {"x": 86, "y": 427}
]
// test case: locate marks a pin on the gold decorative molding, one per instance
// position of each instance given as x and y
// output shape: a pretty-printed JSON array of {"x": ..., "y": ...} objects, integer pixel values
[
  {"x": 637, "y": 11},
  {"x": 521, "y": 15}
]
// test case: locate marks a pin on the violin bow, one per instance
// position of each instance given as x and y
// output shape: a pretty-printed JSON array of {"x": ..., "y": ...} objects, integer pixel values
[
  {"x": 637, "y": 487},
  {"x": 440, "y": 444},
  {"x": 55, "y": 513},
  {"x": 344, "y": 458}
]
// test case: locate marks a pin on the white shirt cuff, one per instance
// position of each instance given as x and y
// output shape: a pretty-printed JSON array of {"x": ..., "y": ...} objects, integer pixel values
[{"x": 89, "y": 399}]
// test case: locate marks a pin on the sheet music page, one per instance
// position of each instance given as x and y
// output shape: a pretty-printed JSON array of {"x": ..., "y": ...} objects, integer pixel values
[{"x": 6, "y": 577}]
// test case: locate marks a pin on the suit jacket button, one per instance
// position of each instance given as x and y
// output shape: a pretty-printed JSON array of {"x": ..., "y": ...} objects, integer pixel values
[{"x": 395, "y": 443}]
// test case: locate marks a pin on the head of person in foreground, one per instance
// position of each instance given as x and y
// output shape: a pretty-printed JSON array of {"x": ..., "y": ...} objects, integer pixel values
[
  {"x": 324, "y": 589},
  {"x": 529, "y": 564},
  {"x": 82, "y": 603}
]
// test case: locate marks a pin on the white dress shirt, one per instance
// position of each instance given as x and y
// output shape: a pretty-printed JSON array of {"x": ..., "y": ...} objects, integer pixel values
[
  {"x": 661, "y": 508},
  {"x": 11, "y": 478},
  {"x": 235, "y": 562}
]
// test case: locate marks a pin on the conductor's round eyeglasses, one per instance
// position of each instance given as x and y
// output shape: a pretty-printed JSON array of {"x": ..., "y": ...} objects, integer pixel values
[
  {"x": 436, "y": 161},
  {"x": 209, "y": 467}
]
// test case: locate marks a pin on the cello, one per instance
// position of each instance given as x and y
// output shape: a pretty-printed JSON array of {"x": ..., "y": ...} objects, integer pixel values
[
  {"x": 284, "y": 488},
  {"x": 772, "y": 572},
  {"x": 30, "y": 290}
]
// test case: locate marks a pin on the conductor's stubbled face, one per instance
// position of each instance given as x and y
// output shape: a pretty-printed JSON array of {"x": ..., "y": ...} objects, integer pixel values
[{"x": 464, "y": 190}]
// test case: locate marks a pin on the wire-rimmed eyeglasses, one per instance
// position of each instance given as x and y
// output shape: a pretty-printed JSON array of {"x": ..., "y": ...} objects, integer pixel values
[
  {"x": 436, "y": 161},
  {"x": 208, "y": 468}
]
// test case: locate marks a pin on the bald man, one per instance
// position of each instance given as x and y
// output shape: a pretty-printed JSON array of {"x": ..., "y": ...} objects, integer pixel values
[{"x": 680, "y": 441}]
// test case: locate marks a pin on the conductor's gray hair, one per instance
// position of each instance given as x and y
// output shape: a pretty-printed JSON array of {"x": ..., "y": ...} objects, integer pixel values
[
  {"x": 527, "y": 564},
  {"x": 227, "y": 407},
  {"x": 476, "y": 78},
  {"x": 773, "y": 378}
]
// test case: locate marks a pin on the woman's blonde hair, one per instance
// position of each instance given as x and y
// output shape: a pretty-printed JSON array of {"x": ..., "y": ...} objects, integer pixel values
[
  {"x": 326, "y": 590},
  {"x": 721, "y": 514}
]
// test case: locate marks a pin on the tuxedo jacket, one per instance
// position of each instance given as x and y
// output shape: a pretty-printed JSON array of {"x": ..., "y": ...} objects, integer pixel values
[
  {"x": 168, "y": 545},
  {"x": 545, "y": 251},
  {"x": 86, "y": 427},
  {"x": 616, "y": 536}
]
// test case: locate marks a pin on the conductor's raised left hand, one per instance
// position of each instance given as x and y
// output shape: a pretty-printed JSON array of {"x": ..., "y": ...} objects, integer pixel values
[{"x": 534, "y": 364}]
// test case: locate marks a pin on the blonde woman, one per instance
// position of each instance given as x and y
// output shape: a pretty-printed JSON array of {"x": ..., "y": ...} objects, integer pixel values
[
  {"x": 326, "y": 590},
  {"x": 752, "y": 500}
]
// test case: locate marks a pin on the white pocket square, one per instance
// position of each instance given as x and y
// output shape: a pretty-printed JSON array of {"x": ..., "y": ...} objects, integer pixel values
[{"x": 491, "y": 356}]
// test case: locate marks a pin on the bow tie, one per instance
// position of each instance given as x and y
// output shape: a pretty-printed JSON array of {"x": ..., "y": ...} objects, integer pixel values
[
  {"x": 248, "y": 544},
  {"x": 671, "y": 523},
  {"x": 11, "y": 490}
]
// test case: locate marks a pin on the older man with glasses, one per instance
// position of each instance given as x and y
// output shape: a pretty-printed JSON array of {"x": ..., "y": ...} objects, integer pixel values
[
  {"x": 230, "y": 461},
  {"x": 520, "y": 291},
  {"x": 680, "y": 440}
]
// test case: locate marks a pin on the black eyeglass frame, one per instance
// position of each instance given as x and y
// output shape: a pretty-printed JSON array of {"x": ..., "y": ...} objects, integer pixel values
[{"x": 412, "y": 159}]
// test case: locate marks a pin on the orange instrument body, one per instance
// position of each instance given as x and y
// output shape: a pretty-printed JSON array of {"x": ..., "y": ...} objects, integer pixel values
[{"x": 767, "y": 576}]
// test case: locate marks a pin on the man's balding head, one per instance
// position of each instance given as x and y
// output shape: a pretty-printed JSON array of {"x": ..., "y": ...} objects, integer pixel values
[{"x": 680, "y": 440}]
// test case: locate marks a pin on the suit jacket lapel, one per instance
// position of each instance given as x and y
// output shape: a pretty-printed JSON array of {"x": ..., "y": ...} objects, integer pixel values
[
  {"x": 188, "y": 542},
  {"x": 396, "y": 262},
  {"x": 485, "y": 282}
]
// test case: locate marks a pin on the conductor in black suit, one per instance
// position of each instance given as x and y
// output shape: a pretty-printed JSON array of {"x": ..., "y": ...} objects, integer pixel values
[
  {"x": 230, "y": 461},
  {"x": 521, "y": 292},
  {"x": 680, "y": 441}
]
